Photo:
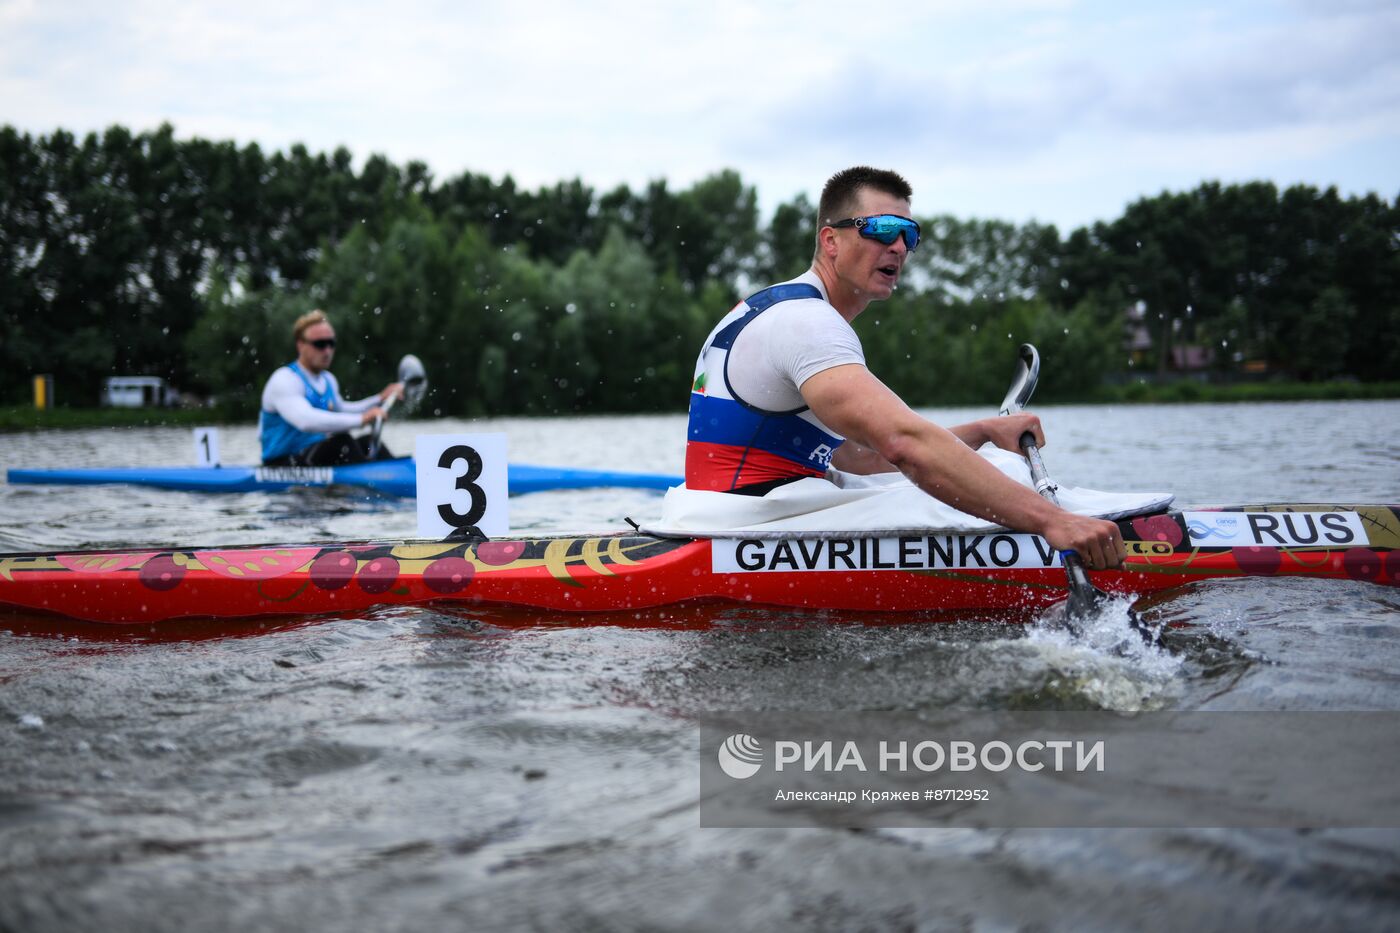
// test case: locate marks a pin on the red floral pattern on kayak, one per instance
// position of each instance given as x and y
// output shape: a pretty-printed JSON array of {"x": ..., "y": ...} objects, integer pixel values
[
  {"x": 162, "y": 573},
  {"x": 102, "y": 563},
  {"x": 256, "y": 563},
  {"x": 1158, "y": 528},
  {"x": 499, "y": 553},
  {"x": 333, "y": 570},
  {"x": 1390, "y": 569},
  {"x": 449, "y": 575},
  {"x": 1361, "y": 563},
  {"x": 1258, "y": 560},
  {"x": 378, "y": 575}
]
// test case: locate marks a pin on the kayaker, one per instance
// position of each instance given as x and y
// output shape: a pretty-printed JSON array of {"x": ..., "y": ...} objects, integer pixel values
[
  {"x": 782, "y": 392},
  {"x": 304, "y": 420}
]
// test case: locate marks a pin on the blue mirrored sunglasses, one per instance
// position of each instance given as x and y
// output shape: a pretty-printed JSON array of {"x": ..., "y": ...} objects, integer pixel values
[{"x": 886, "y": 228}]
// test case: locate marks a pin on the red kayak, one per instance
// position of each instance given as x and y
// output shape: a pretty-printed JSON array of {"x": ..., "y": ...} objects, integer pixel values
[{"x": 932, "y": 572}]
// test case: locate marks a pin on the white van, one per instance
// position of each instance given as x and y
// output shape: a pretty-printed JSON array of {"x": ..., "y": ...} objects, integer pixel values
[{"x": 138, "y": 392}]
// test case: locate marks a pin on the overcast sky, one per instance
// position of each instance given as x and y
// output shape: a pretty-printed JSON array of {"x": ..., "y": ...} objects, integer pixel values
[{"x": 1052, "y": 110}]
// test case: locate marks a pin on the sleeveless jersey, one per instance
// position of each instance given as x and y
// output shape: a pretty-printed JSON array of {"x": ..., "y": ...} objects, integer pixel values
[
  {"x": 279, "y": 437},
  {"x": 732, "y": 444}
]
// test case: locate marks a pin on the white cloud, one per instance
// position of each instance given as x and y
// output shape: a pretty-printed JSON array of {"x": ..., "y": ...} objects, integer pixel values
[{"x": 1053, "y": 109}]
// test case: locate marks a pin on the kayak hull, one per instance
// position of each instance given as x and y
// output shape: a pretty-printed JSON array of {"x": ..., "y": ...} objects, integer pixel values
[
  {"x": 634, "y": 572},
  {"x": 388, "y": 477}
]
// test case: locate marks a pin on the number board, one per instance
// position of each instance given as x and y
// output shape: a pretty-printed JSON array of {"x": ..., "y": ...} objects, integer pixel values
[
  {"x": 462, "y": 482},
  {"x": 206, "y": 447}
]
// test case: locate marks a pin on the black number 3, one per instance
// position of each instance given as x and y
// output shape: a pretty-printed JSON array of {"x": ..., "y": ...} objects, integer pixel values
[{"x": 465, "y": 482}]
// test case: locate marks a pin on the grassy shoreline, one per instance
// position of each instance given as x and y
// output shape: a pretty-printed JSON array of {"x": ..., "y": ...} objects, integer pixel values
[
  {"x": 25, "y": 418},
  {"x": 1191, "y": 391}
]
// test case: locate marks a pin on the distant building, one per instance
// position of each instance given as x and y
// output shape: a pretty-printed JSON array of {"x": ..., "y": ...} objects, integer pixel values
[
  {"x": 138, "y": 392},
  {"x": 1184, "y": 358},
  {"x": 1136, "y": 339},
  {"x": 1191, "y": 358}
]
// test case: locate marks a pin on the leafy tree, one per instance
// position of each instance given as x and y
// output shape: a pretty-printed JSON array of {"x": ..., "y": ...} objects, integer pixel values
[
  {"x": 786, "y": 250},
  {"x": 127, "y": 253}
]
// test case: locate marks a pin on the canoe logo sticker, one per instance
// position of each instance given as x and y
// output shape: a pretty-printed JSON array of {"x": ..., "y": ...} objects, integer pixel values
[
  {"x": 910, "y": 552},
  {"x": 1275, "y": 529},
  {"x": 740, "y": 756}
]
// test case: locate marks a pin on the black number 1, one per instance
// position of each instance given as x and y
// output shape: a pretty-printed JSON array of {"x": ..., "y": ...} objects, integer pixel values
[
  {"x": 204, "y": 439},
  {"x": 464, "y": 482}
]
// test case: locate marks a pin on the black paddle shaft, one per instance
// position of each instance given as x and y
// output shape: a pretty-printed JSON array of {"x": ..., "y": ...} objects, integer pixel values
[{"x": 1084, "y": 597}]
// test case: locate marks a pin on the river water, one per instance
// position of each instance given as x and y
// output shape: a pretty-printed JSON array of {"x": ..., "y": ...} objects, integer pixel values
[{"x": 418, "y": 769}]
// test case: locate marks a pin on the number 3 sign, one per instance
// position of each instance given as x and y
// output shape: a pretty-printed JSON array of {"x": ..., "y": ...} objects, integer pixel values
[{"x": 461, "y": 482}]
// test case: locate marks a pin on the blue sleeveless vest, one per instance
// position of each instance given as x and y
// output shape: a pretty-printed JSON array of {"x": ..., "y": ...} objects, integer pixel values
[
  {"x": 732, "y": 444},
  {"x": 279, "y": 438}
]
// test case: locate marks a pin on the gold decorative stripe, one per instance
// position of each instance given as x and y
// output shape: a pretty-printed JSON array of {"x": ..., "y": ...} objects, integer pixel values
[
  {"x": 592, "y": 558},
  {"x": 556, "y": 560}
]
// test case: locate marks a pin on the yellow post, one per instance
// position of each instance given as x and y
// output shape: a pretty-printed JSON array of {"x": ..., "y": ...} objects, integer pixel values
[{"x": 43, "y": 392}]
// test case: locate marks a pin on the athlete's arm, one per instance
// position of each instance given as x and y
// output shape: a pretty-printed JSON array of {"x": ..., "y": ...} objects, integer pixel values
[
  {"x": 286, "y": 395},
  {"x": 394, "y": 389},
  {"x": 852, "y": 457},
  {"x": 1004, "y": 432},
  {"x": 852, "y": 402}
]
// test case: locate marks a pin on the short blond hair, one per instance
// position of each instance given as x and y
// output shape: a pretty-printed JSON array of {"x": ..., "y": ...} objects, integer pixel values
[{"x": 306, "y": 321}]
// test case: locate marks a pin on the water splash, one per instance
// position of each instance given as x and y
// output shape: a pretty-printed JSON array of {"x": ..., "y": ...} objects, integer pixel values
[{"x": 1103, "y": 660}]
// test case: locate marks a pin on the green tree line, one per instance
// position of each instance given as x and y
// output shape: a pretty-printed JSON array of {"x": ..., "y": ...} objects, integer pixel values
[{"x": 128, "y": 253}]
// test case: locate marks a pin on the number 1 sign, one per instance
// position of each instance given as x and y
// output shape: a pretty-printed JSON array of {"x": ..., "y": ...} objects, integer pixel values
[
  {"x": 462, "y": 484},
  {"x": 206, "y": 447}
]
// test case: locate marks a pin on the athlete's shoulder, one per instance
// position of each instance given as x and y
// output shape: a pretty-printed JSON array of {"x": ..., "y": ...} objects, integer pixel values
[
  {"x": 284, "y": 375},
  {"x": 805, "y": 289},
  {"x": 283, "y": 383},
  {"x": 804, "y": 312}
]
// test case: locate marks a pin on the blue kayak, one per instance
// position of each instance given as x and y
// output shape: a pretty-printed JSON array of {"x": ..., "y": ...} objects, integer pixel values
[{"x": 390, "y": 477}]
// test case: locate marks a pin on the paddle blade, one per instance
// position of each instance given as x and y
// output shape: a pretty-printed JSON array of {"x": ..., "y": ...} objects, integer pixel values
[
  {"x": 1083, "y": 603},
  {"x": 1090, "y": 602},
  {"x": 1024, "y": 382},
  {"x": 1086, "y": 601},
  {"x": 414, "y": 379},
  {"x": 1099, "y": 625}
]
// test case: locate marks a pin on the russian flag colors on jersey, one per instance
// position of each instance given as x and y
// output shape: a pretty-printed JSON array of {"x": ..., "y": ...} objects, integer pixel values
[{"x": 732, "y": 444}]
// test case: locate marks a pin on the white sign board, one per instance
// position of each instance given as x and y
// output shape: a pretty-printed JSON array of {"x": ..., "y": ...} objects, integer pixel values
[
  {"x": 206, "y": 447},
  {"x": 1275, "y": 529},
  {"x": 461, "y": 482},
  {"x": 910, "y": 552}
]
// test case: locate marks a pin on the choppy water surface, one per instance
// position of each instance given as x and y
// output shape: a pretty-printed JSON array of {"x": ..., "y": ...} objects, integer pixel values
[{"x": 414, "y": 769}]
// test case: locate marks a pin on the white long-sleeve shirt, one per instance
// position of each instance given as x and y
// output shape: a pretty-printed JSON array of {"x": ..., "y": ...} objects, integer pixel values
[{"x": 285, "y": 394}]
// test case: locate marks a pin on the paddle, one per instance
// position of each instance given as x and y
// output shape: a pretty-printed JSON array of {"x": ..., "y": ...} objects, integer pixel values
[
  {"x": 1085, "y": 599},
  {"x": 415, "y": 383}
]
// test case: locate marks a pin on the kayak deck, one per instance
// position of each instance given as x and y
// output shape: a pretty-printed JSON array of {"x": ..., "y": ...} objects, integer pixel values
[
  {"x": 619, "y": 572},
  {"x": 389, "y": 477}
]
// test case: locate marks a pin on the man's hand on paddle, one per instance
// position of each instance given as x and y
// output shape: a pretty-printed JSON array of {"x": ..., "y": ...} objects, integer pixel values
[
  {"x": 1097, "y": 542},
  {"x": 1006, "y": 431},
  {"x": 392, "y": 390}
]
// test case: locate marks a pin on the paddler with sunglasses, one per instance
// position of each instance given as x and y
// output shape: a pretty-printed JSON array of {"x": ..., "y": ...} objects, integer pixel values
[
  {"x": 781, "y": 389},
  {"x": 304, "y": 420}
]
